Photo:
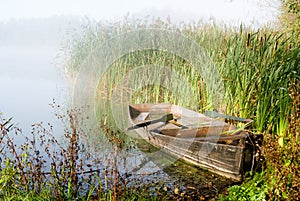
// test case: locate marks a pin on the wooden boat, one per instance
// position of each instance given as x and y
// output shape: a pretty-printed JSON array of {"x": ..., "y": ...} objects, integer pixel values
[{"x": 196, "y": 138}]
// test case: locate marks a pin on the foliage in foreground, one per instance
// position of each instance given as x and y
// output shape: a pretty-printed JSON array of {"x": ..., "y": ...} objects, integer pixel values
[
  {"x": 255, "y": 188},
  {"x": 283, "y": 161},
  {"x": 41, "y": 167},
  {"x": 281, "y": 177},
  {"x": 45, "y": 166}
]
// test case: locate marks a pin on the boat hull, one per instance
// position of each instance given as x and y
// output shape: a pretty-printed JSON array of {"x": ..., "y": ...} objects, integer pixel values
[{"x": 203, "y": 145}]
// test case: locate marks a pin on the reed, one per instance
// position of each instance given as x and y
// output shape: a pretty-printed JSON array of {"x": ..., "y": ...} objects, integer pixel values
[{"x": 257, "y": 68}]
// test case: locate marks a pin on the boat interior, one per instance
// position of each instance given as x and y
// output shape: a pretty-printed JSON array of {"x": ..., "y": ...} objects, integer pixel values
[{"x": 184, "y": 123}]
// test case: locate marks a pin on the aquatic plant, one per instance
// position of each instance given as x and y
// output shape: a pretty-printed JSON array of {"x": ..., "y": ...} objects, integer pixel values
[{"x": 257, "y": 68}]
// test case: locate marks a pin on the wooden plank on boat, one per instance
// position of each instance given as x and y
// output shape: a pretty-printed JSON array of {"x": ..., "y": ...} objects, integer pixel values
[
  {"x": 141, "y": 117},
  {"x": 195, "y": 133},
  {"x": 226, "y": 162},
  {"x": 164, "y": 118},
  {"x": 218, "y": 155}
]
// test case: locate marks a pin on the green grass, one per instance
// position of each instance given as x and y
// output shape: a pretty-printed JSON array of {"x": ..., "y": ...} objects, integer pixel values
[{"x": 254, "y": 189}]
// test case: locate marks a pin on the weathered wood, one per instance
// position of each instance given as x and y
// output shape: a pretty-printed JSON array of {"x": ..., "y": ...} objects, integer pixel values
[
  {"x": 164, "y": 119},
  {"x": 196, "y": 138}
]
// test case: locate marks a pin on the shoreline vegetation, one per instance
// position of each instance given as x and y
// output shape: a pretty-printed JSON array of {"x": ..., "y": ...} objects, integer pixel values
[
  {"x": 261, "y": 75},
  {"x": 260, "y": 72},
  {"x": 76, "y": 167}
]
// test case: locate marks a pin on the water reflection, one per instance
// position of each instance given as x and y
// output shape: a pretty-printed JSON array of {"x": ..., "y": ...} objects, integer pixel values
[{"x": 29, "y": 81}]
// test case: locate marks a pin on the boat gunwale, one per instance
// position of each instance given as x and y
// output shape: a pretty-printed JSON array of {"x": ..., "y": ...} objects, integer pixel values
[
  {"x": 238, "y": 140},
  {"x": 235, "y": 135}
]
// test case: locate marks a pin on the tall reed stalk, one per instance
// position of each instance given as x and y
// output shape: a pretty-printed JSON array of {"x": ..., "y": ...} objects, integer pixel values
[{"x": 256, "y": 68}]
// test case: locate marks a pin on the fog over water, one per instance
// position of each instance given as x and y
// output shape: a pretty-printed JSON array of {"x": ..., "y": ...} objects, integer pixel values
[{"x": 31, "y": 71}]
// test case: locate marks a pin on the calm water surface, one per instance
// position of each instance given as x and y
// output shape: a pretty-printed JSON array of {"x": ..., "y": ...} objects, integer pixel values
[{"x": 30, "y": 78}]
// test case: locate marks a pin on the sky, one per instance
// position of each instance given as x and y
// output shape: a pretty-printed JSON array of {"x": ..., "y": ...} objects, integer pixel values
[{"x": 228, "y": 11}]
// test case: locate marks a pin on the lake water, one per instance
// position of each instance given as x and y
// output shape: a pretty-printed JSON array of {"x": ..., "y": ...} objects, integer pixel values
[{"x": 30, "y": 78}]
